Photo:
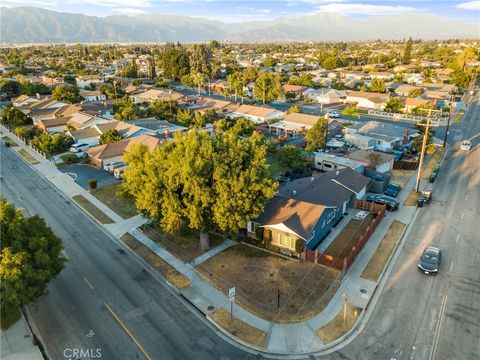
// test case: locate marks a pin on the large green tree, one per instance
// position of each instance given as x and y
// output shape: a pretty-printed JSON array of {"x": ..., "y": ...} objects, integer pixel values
[
  {"x": 125, "y": 110},
  {"x": 201, "y": 182},
  {"x": 68, "y": 93},
  {"x": 394, "y": 105},
  {"x": 317, "y": 135},
  {"x": 110, "y": 136},
  {"x": 30, "y": 258},
  {"x": 174, "y": 61},
  {"x": 268, "y": 86},
  {"x": 407, "y": 55},
  {"x": 52, "y": 144},
  {"x": 15, "y": 117},
  {"x": 377, "y": 85}
]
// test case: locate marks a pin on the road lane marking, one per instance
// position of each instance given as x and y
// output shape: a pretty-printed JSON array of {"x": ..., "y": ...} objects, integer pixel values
[
  {"x": 462, "y": 214},
  {"x": 439, "y": 326},
  {"x": 458, "y": 236},
  {"x": 451, "y": 266},
  {"x": 127, "y": 331},
  {"x": 64, "y": 254},
  {"x": 466, "y": 197},
  {"x": 88, "y": 283}
]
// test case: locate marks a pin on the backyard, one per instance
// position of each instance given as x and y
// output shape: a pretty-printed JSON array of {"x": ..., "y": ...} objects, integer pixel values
[
  {"x": 110, "y": 195},
  {"x": 342, "y": 245},
  {"x": 183, "y": 246},
  {"x": 259, "y": 277}
]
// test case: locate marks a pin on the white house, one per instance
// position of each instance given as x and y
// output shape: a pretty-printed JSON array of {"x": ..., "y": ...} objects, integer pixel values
[
  {"x": 367, "y": 100},
  {"x": 381, "y": 75},
  {"x": 92, "y": 95},
  {"x": 324, "y": 96},
  {"x": 85, "y": 80},
  {"x": 258, "y": 114}
]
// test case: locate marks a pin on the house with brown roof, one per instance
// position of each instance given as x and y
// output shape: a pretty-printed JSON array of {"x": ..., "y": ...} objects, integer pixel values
[
  {"x": 107, "y": 153},
  {"x": 40, "y": 113},
  {"x": 154, "y": 94},
  {"x": 221, "y": 107},
  {"x": 84, "y": 81},
  {"x": 412, "y": 103},
  {"x": 295, "y": 90},
  {"x": 55, "y": 125},
  {"x": 297, "y": 123},
  {"x": 92, "y": 95},
  {"x": 306, "y": 209},
  {"x": 258, "y": 114}
]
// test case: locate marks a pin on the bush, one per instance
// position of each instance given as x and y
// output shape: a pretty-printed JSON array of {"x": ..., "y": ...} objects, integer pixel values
[
  {"x": 69, "y": 158},
  {"x": 299, "y": 245},
  {"x": 92, "y": 183},
  {"x": 267, "y": 235}
]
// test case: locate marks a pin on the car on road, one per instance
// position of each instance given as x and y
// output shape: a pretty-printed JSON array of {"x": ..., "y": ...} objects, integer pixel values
[
  {"x": 392, "y": 190},
  {"x": 79, "y": 147},
  {"x": 334, "y": 114},
  {"x": 430, "y": 260},
  {"x": 466, "y": 145},
  {"x": 390, "y": 202}
]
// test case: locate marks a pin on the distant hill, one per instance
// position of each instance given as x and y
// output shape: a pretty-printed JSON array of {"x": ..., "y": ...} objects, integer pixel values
[{"x": 28, "y": 24}]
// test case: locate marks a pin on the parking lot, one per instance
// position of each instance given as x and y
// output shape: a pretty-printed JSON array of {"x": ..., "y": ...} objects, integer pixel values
[{"x": 81, "y": 174}]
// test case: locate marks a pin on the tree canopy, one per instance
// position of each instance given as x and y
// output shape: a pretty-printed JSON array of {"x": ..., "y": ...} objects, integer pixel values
[
  {"x": 67, "y": 93},
  {"x": 268, "y": 86},
  {"x": 110, "y": 136},
  {"x": 201, "y": 182},
  {"x": 52, "y": 144},
  {"x": 317, "y": 135},
  {"x": 29, "y": 258},
  {"x": 394, "y": 105},
  {"x": 377, "y": 85}
]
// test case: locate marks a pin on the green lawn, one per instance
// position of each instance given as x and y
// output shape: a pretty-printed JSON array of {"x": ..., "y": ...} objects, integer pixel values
[
  {"x": 110, "y": 196},
  {"x": 275, "y": 166},
  {"x": 92, "y": 209}
]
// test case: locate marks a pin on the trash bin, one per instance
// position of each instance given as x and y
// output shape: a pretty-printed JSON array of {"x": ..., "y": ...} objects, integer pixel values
[
  {"x": 421, "y": 201},
  {"x": 433, "y": 176}
]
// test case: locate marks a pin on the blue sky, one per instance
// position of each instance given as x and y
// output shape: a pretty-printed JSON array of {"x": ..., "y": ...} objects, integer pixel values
[{"x": 233, "y": 10}]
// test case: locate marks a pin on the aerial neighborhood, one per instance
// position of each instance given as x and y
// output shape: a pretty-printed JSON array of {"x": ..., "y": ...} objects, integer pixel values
[{"x": 268, "y": 185}]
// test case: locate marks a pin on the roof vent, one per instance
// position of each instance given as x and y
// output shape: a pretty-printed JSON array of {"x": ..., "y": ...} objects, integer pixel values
[
  {"x": 312, "y": 178},
  {"x": 338, "y": 172},
  {"x": 294, "y": 192}
]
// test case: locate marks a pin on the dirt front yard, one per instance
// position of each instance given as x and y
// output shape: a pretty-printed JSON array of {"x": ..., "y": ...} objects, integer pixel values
[
  {"x": 183, "y": 246},
  {"x": 111, "y": 196},
  {"x": 305, "y": 288}
]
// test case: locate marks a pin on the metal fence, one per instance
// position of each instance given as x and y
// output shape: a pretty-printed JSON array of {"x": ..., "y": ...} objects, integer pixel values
[{"x": 435, "y": 121}]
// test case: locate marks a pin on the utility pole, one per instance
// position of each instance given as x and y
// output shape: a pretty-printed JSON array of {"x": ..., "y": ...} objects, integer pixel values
[
  {"x": 448, "y": 122},
  {"x": 422, "y": 154}
]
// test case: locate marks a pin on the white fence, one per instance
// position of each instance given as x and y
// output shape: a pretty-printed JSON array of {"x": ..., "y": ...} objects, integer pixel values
[{"x": 435, "y": 121}]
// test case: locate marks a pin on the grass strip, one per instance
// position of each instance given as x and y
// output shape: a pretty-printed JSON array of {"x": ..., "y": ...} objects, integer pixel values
[{"x": 92, "y": 209}]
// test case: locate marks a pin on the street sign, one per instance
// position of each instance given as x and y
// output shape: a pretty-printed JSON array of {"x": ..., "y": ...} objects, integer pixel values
[{"x": 231, "y": 292}]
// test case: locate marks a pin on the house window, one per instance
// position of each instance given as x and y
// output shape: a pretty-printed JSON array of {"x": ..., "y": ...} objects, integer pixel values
[
  {"x": 327, "y": 165},
  {"x": 286, "y": 241},
  {"x": 252, "y": 226},
  {"x": 331, "y": 216}
]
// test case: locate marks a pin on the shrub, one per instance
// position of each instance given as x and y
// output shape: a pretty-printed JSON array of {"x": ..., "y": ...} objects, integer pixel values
[
  {"x": 92, "y": 183},
  {"x": 299, "y": 245},
  {"x": 267, "y": 235},
  {"x": 69, "y": 158}
]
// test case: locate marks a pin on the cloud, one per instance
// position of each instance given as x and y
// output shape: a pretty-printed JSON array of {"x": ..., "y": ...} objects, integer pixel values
[
  {"x": 364, "y": 9},
  {"x": 129, "y": 3},
  {"x": 129, "y": 11},
  {"x": 470, "y": 5}
]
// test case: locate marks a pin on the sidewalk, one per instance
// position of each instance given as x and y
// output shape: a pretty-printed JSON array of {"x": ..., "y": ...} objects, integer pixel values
[
  {"x": 286, "y": 338},
  {"x": 17, "y": 343}
]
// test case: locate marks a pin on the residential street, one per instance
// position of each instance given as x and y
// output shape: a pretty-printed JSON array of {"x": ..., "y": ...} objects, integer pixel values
[
  {"x": 434, "y": 317},
  {"x": 98, "y": 273}
]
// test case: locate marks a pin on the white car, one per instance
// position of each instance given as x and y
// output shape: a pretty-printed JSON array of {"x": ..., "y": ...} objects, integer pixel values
[
  {"x": 466, "y": 145},
  {"x": 360, "y": 215},
  {"x": 334, "y": 114},
  {"x": 78, "y": 147}
]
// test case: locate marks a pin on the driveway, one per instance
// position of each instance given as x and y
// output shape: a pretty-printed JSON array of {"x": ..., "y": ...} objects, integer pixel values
[{"x": 81, "y": 174}]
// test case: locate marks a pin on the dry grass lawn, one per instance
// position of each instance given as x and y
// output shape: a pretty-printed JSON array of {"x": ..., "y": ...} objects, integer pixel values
[
  {"x": 305, "y": 288},
  {"x": 10, "y": 140},
  {"x": 184, "y": 247},
  {"x": 238, "y": 328},
  {"x": 27, "y": 156},
  {"x": 167, "y": 271},
  {"x": 434, "y": 160},
  {"x": 92, "y": 209},
  {"x": 110, "y": 196},
  {"x": 382, "y": 254},
  {"x": 348, "y": 237},
  {"x": 411, "y": 199},
  {"x": 402, "y": 177},
  {"x": 458, "y": 117},
  {"x": 337, "y": 327}
]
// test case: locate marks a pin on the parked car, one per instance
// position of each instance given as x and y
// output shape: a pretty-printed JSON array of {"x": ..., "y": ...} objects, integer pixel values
[
  {"x": 466, "y": 145},
  {"x": 392, "y": 190},
  {"x": 7, "y": 143},
  {"x": 334, "y": 114},
  {"x": 430, "y": 260},
  {"x": 118, "y": 172},
  {"x": 79, "y": 147},
  {"x": 115, "y": 165},
  {"x": 390, "y": 202}
]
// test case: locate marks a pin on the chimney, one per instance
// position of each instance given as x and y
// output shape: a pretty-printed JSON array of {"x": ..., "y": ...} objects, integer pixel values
[
  {"x": 312, "y": 178},
  {"x": 294, "y": 192}
]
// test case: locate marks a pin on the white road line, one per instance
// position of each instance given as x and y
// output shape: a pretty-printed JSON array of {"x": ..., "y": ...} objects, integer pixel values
[
  {"x": 458, "y": 236},
  {"x": 439, "y": 326},
  {"x": 462, "y": 214},
  {"x": 64, "y": 254},
  {"x": 466, "y": 197},
  {"x": 451, "y": 266},
  {"x": 88, "y": 283}
]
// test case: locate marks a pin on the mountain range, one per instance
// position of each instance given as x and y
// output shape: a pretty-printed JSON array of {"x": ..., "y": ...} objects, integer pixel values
[{"x": 35, "y": 25}]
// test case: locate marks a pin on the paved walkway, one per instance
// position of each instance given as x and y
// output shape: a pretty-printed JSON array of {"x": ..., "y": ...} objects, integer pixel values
[
  {"x": 17, "y": 343},
  {"x": 212, "y": 252}
]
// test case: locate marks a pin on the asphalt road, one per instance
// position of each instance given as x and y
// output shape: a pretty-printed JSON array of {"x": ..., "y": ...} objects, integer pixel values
[
  {"x": 434, "y": 317},
  {"x": 97, "y": 274}
]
